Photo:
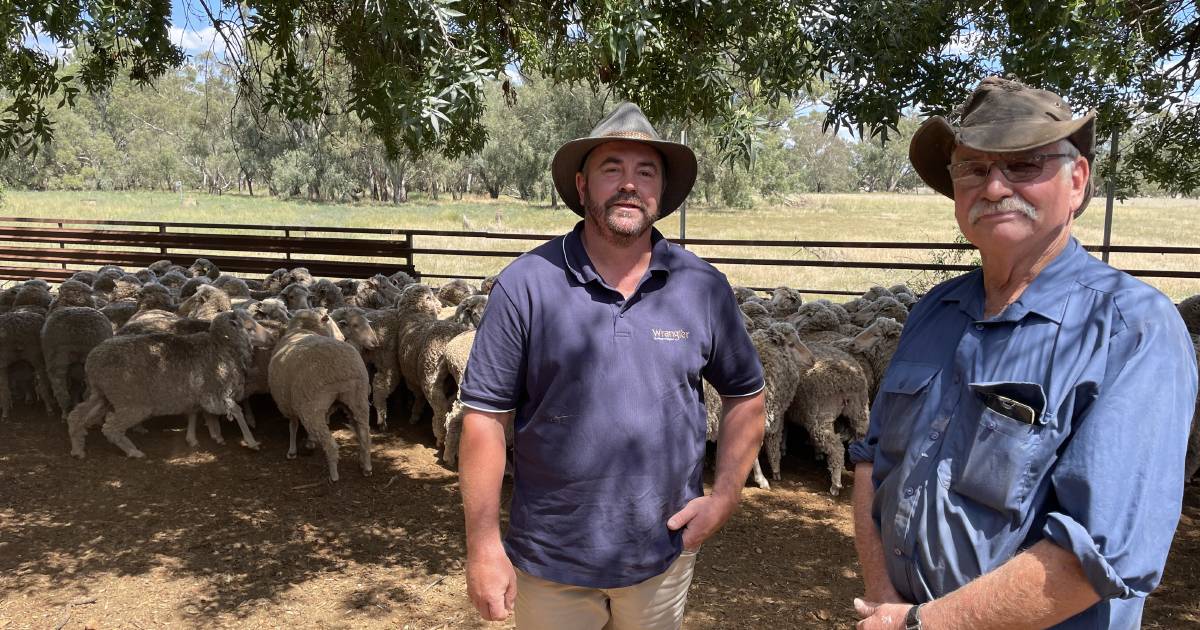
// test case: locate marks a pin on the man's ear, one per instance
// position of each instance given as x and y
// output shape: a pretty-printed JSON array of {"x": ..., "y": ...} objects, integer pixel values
[
  {"x": 581, "y": 187},
  {"x": 1081, "y": 178}
]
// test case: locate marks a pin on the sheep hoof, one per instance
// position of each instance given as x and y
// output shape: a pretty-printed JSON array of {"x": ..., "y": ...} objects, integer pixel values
[
  {"x": 136, "y": 455},
  {"x": 77, "y": 454},
  {"x": 834, "y": 490},
  {"x": 254, "y": 446},
  {"x": 193, "y": 442},
  {"x": 219, "y": 440},
  {"x": 291, "y": 455},
  {"x": 366, "y": 472}
]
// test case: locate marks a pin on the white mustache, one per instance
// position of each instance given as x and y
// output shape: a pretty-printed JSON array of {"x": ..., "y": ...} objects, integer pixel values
[{"x": 1015, "y": 203}]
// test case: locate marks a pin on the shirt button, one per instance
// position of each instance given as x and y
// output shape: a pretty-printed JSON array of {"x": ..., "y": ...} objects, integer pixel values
[
  {"x": 933, "y": 435},
  {"x": 978, "y": 326},
  {"x": 897, "y": 552},
  {"x": 908, "y": 492}
]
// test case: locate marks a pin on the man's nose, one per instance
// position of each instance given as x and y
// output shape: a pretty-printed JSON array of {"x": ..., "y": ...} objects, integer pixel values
[{"x": 996, "y": 186}]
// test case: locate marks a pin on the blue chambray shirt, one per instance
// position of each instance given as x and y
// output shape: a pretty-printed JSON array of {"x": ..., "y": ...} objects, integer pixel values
[
  {"x": 609, "y": 423},
  {"x": 961, "y": 487}
]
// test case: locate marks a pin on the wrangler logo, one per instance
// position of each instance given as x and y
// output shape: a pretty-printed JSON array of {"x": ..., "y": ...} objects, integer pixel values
[{"x": 669, "y": 335}]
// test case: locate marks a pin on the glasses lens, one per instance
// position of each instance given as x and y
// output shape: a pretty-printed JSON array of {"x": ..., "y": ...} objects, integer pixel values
[
  {"x": 1022, "y": 170},
  {"x": 966, "y": 172}
]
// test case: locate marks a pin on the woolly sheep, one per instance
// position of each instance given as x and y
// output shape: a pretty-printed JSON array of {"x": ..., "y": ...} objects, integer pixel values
[
  {"x": 73, "y": 293},
  {"x": 377, "y": 292},
  {"x": 416, "y": 303},
  {"x": 741, "y": 294},
  {"x": 300, "y": 276},
  {"x": 86, "y": 277},
  {"x": 784, "y": 357},
  {"x": 20, "y": 341},
  {"x": 1192, "y": 464},
  {"x": 401, "y": 279},
  {"x": 203, "y": 267},
  {"x": 68, "y": 335},
  {"x": 834, "y": 388},
  {"x": 205, "y": 304},
  {"x": 814, "y": 317},
  {"x": 233, "y": 286},
  {"x": 454, "y": 292},
  {"x": 885, "y": 306},
  {"x": 454, "y": 365},
  {"x": 1189, "y": 310},
  {"x": 160, "y": 267},
  {"x": 276, "y": 281},
  {"x": 190, "y": 285},
  {"x": 33, "y": 296},
  {"x": 270, "y": 309},
  {"x": 296, "y": 297},
  {"x": 874, "y": 348},
  {"x": 308, "y": 373},
  {"x": 126, "y": 288},
  {"x": 784, "y": 302},
  {"x": 145, "y": 276},
  {"x": 854, "y": 305},
  {"x": 326, "y": 294},
  {"x": 876, "y": 292},
  {"x": 756, "y": 316},
  {"x": 186, "y": 374},
  {"x": 485, "y": 287}
]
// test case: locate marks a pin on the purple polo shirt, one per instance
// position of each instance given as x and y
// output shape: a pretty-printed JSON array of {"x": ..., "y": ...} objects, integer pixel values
[{"x": 609, "y": 414}]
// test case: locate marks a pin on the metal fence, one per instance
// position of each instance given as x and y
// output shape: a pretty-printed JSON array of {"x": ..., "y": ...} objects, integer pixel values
[{"x": 53, "y": 248}]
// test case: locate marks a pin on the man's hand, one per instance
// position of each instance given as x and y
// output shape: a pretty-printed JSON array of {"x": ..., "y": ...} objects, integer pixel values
[
  {"x": 880, "y": 616},
  {"x": 491, "y": 583},
  {"x": 701, "y": 518}
]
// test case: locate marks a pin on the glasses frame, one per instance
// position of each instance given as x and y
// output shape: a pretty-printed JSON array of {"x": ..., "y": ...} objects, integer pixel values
[{"x": 966, "y": 180}]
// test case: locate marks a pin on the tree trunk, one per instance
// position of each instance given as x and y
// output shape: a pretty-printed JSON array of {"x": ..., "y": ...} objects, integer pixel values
[
  {"x": 250, "y": 185},
  {"x": 553, "y": 196}
]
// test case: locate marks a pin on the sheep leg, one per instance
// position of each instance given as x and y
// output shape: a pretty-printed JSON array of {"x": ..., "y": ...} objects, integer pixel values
[
  {"x": 382, "y": 385},
  {"x": 314, "y": 423},
  {"x": 60, "y": 385},
  {"x": 418, "y": 406},
  {"x": 115, "y": 426},
  {"x": 233, "y": 410},
  {"x": 454, "y": 421},
  {"x": 247, "y": 411},
  {"x": 5, "y": 394},
  {"x": 191, "y": 431},
  {"x": 774, "y": 445},
  {"x": 214, "y": 428},
  {"x": 41, "y": 382},
  {"x": 293, "y": 424},
  {"x": 89, "y": 413},
  {"x": 361, "y": 412},
  {"x": 827, "y": 442}
]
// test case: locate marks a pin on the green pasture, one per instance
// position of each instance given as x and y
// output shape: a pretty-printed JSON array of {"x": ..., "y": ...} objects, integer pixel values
[{"x": 838, "y": 217}]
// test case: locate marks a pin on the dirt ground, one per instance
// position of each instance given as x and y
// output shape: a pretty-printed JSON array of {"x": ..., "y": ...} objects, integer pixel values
[{"x": 225, "y": 537}]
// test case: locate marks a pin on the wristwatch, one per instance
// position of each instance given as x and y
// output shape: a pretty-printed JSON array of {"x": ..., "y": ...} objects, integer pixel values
[{"x": 912, "y": 620}]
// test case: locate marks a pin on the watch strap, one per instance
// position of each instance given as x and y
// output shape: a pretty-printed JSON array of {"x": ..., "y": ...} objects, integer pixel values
[{"x": 912, "y": 620}]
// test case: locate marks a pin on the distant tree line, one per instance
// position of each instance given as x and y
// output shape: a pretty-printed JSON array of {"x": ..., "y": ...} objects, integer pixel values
[{"x": 196, "y": 129}]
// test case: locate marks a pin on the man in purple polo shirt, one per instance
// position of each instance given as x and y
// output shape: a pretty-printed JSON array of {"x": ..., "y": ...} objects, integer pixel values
[{"x": 594, "y": 346}]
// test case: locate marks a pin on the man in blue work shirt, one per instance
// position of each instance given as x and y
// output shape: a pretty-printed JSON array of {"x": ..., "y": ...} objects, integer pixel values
[
  {"x": 594, "y": 345},
  {"x": 1024, "y": 462}
]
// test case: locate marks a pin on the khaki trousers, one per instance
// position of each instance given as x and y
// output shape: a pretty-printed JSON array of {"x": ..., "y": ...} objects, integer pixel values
[{"x": 655, "y": 604}]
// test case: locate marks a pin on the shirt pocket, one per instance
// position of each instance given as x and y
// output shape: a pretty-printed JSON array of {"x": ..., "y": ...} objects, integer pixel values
[
  {"x": 903, "y": 396},
  {"x": 997, "y": 468}
]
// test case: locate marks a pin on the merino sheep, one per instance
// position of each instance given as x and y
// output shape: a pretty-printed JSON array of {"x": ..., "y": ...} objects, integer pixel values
[
  {"x": 160, "y": 267},
  {"x": 876, "y": 292},
  {"x": 784, "y": 357},
  {"x": 1189, "y": 310},
  {"x": 131, "y": 378},
  {"x": 86, "y": 277},
  {"x": 326, "y": 294},
  {"x": 68, "y": 335},
  {"x": 485, "y": 287},
  {"x": 233, "y": 286},
  {"x": 205, "y": 304},
  {"x": 814, "y": 317},
  {"x": 416, "y": 303},
  {"x": 204, "y": 267},
  {"x": 73, "y": 293},
  {"x": 454, "y": 292},
  {"x": 401, "y": 279},
  {"x": 755, "y": 315},
  {"x": 308, "y": 374},
  {"x": 454, "y": 365},
  {"x": 784, "y": 302},
  {"x": 34, "y": 295},
  {"x": 191, "y": 284},
  {"x": 873, "y": 348},
  {"x": 885, "y": 306},
  {"x": 145, "y": 276},
  {"x": 375, "y": 292},
  {"x": 1192, "y": 464},
  {"x": 20, "y": 341},
  {"x": 296, "y": 297},
  {"x": 833, "y": 389},
  {"x": 150, "y": 297},
  {"x": 270, "y": 309},
  {"x": 300, "y": 276}
]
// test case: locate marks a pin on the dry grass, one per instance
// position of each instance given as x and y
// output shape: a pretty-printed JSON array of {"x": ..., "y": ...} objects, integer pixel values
[{"x": 859, "y": 217}]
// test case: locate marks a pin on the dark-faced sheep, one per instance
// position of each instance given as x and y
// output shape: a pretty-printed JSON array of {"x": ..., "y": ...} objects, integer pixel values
[{"x": 132, "y": 378}]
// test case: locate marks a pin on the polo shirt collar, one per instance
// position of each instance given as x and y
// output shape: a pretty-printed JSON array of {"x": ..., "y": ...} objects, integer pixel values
[
  {"x": 1047, "y": 295},
  {"x": 580, "y": 265}
]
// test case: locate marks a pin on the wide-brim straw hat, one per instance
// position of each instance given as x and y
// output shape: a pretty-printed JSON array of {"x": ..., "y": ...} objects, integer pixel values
[
  {"x": 1001, "y": 116},
  {"x": 626, "y": 122}
]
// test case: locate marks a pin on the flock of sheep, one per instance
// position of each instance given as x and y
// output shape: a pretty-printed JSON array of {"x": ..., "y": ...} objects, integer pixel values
[{"x": 111, "y": 348}]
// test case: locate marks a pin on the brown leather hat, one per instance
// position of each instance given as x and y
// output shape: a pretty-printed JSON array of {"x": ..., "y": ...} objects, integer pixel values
[
  {"x": 1000, "y": 116},
  {"x": 626, "y": 122}
]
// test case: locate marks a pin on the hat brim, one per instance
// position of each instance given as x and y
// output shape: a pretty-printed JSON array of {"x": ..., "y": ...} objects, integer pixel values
[
  {"x": 934, "y": 141},
  {"x": 679, "y": 163}
]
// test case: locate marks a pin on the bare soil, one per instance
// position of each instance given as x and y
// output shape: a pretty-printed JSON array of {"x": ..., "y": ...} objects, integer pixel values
[{"x": 222, "y": 536}]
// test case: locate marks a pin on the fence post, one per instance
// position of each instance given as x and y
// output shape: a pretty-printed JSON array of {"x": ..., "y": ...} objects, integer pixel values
[
  {"x": 287, "y": 254},
  {"x": 162, "y": 250},
  {"x": 412, "y": 258},
  {"x": 1112, "y": 192},
  {"x": 62, "y": 245}
]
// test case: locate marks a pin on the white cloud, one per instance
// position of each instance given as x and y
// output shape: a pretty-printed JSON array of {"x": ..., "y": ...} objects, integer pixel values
[{"x": 194, "y": 41}]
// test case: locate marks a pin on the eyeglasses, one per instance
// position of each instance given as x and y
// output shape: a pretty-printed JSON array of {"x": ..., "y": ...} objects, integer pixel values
[{"x": 974, "y": 172}]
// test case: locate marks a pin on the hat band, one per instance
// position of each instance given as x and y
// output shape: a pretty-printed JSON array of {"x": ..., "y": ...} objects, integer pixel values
[{"x": 638, "y": 135}]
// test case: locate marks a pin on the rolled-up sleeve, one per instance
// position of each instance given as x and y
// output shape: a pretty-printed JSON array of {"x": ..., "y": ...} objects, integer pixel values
[
  {"x": 496, "y": 367},
  {"x": 1119, "y": 481}
]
